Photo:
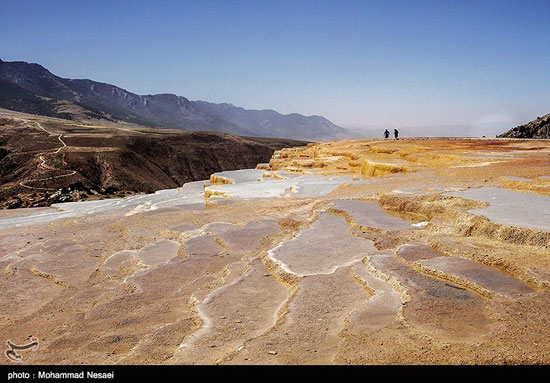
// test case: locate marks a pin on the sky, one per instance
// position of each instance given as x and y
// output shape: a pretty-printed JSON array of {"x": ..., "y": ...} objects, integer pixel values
[{"x": 362, "y": 64}]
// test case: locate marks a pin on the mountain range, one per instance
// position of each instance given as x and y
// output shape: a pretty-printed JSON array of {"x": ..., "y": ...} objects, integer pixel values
[{"x": 31, "y": 88}]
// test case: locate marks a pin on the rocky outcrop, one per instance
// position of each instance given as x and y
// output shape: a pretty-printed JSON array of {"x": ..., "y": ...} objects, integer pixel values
[{"x": 538, "y": 128}]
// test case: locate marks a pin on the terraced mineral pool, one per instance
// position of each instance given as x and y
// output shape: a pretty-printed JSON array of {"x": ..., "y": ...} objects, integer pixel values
[
  {"x": 203, "y": 246},
  {"x": 477, "y": 165},
  {"x": 370, "y": 214},
  {"x": 316, "y": 316},
  {"x": 527, "y": 210},
  {"x": 251, "y": 190},
  {"x": 418, "y": 190},
  {"x": 241, "y": 176},
  {"x": 218, "y": 227},
  {"x": 111, "y": 267},
  {"x": 413, "y": 252},
  {"x": 379, "y": 310},
  {"x": 485, "y": 276},
  {"x": 184, "y": 227},
  {"x": 440, "y": 308},
  {"x": 189, "y": 194},
  {"x": 158, "y": 253},
  {"x": 488, "y": 277},
  {"x": 322, "y": 248},
  {"x": 312, "y": 186},
  {"x": 249, "y": 184},
  {"x": 243, "y": 309},
  {"x": 238, "y": 240},
  {"x": 286, "y": 174},
  {"x": 514, "y": 178},
  {"x": 243, "y": 239}
]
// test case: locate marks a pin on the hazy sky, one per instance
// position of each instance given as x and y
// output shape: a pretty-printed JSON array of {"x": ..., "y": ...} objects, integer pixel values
[{"x": 358, "y": 63}]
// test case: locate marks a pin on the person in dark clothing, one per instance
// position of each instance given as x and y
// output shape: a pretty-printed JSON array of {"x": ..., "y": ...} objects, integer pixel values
[
  {"x": 386, "y": 134},
  {"x": 396, "y": 134}
]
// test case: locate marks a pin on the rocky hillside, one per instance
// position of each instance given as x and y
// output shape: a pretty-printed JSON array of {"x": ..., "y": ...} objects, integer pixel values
[
  {"x": 538, "y": 128},
  {"x": 31, "y": 88}
]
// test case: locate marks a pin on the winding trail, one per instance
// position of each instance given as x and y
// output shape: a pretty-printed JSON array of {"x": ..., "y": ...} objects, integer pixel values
[{"x": 43, "y": 163}]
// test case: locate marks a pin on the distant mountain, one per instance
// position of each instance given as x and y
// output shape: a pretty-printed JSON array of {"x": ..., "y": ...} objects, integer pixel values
[
  {"x": 538, "y": 128},
  {"x": 269, "y": 123},
  {"x": 32, "y": 88}
]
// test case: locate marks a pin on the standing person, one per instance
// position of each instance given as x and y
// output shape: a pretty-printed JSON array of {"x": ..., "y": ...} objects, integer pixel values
[
  {"x": 396, "y": 134},
  {"x": 386, "y": 134}
]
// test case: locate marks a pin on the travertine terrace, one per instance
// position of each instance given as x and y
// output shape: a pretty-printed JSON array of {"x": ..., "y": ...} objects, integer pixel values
[{"x": 353, "y": 252}]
